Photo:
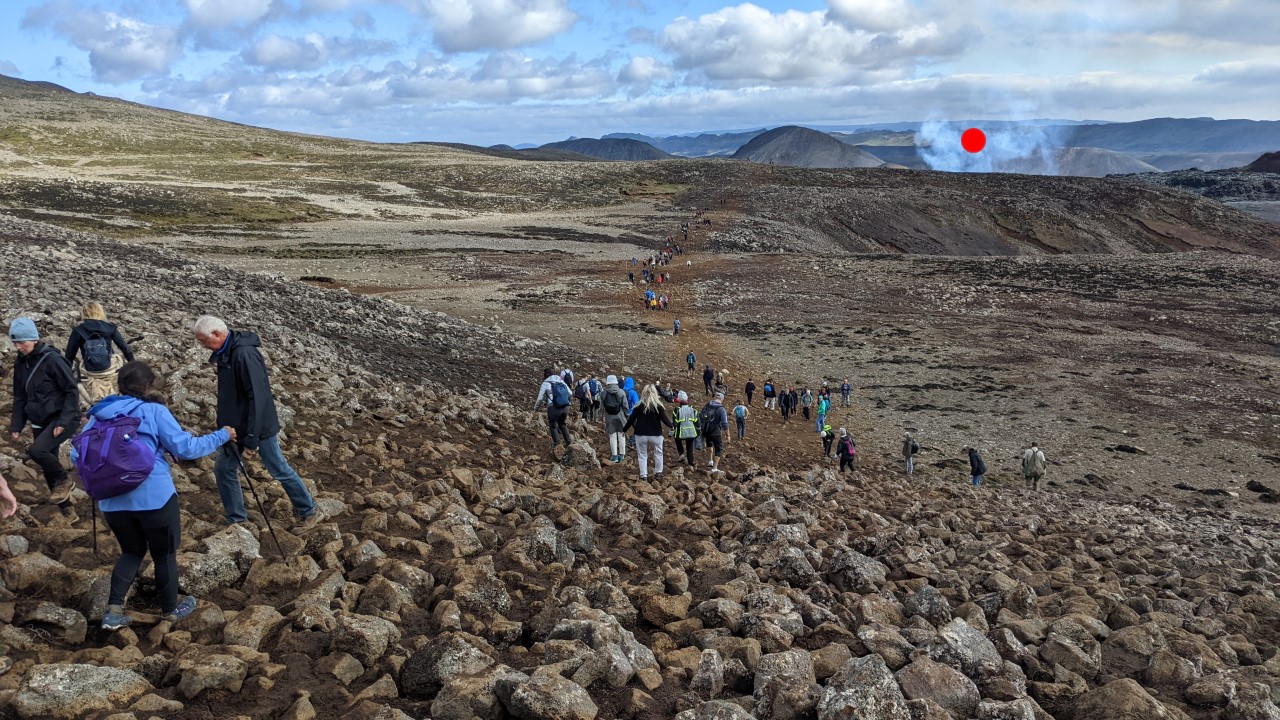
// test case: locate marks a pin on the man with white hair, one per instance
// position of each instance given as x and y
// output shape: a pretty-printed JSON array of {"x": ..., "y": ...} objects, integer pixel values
[{"x": 245, "y": 403}]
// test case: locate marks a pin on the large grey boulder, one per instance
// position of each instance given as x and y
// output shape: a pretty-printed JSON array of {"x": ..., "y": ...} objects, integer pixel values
[
  {"x": 785, "y": 685},
  {"x": 251, "y": 626},
  {"x": 73, "y": 691},
  {"x": 925, "y": 679},
  {"x": 446, "y": 655},
  {"x": 851, "y": 571},
  {"x": 547, "y": 696},
  {"x": 965, "y": 649},
  {"x": 1122, "y": 699},
  {"x": 365, "y": 637},
  {"x": 864, "y": 689}
]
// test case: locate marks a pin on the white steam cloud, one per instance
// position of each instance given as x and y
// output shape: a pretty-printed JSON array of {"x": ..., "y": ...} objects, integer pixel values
[{"x": 1011, "y": 147}]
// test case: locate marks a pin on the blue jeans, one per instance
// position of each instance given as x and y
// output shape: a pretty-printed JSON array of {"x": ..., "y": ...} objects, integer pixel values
[
  {"x": 226, "y": 470},
  {"x": 977, "y": 480},
  {"x": 911, "y": 465},
  {"x": 822, "y": 420}
]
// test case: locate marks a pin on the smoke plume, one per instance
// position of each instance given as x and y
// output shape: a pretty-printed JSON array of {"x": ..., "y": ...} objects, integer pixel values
[{"x": 1016, "y": 147}]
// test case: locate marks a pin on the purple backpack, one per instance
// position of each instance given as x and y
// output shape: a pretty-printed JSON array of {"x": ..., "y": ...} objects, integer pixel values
[{"x": 112, "y": 458}]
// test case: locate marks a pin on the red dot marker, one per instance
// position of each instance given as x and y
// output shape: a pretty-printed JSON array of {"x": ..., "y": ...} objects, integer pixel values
[{"x": 973, "y": 140}]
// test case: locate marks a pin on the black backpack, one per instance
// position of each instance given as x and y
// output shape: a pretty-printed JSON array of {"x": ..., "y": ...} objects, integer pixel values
[
  {"x": 580, "y": 391},
  {"x": 612, "y": 404},
  {"x": 96, "y": 352},
  {"x": 709, "y": 419}
]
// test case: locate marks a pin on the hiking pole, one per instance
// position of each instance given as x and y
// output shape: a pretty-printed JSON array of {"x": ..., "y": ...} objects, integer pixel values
[{"x": 235, "y": 449}]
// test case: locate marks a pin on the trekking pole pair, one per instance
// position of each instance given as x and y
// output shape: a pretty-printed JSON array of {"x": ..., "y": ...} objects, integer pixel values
[{"x": 235, "y": 450}]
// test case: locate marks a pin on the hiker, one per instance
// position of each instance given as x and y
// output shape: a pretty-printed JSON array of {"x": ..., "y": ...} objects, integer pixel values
[
  {"x": 846, "y": 390},
  {"x": 847, "y": 451},
  {"x": 806, "y": 402},
  {"x": 824, "y": 405},
  {"x": 647, "y": 418},
  {"x": 566, "y": 376},
  {"x": 595, "y": 388},
  {"x": 692, "y": 360},
  {"x": 786, "y": 402},
  {"x": 828, "y": 437},
  {"x": 613, "y": 401},
  {"x": 712, "y": 422},
  {"x": 245, "y": 402},
  {"x": 556, "y": 394},
  {"x": 92, "y": 339},
  {"x": 1032, "y": 467},
  {"x": 977, "y": 468},
  {"x": 145, "y": 517},
  {"x": 8, "y": 503},
  {"x": 582, "y": 391},
  {"x": 686, "y": 431},
  {"x": 770, "y": 395},
  {"x": 749, "y": 389},
  {"x": 740, "y": 413},
  {"x": 909, "y": 449},
  {"x": 633, "y": 397},
  {"x": 708, "y": 376},
  {"x": 45, "y": 395},
  {"x": 676, "y": 325}
]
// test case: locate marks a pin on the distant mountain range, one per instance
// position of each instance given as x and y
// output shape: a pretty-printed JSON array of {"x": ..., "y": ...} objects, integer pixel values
[{"x": 1081, "y": 148}]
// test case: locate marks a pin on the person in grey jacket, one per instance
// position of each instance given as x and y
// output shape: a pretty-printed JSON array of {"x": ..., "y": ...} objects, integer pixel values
[
  {"x": 614, "y": 404},
  {"x": 1032, "y": 467},
  {"x": 909, "y": 449}
]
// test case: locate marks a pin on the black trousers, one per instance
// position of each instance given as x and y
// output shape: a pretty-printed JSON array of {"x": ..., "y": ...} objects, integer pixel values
[
  {"x": 139, "y": 531},
  {"x": 826, "y": 445},
  {"x": 556, "y": 418},
  {"x": 805, "y": 410},
  {"x": 846, "y": 462},
  {"x": 686, "y": 446},
  {"x": 749, "y": 397},
  {"x": 44, "y": 451}
]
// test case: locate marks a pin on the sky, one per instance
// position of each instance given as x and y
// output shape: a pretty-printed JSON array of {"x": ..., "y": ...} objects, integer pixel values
[{"x": 536, "y": 71}]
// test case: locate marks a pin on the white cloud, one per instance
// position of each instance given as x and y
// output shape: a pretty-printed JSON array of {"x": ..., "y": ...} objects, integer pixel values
[
  {"x": 310, "y": 52},
  {"x": 469, "y": 25},
  {"x": 644, "y": 69},
  {"x": 1251, "y": 74},
  {"x": 120, "y": 48},
  {"x": 221, "y": 14},
  {"x": 870, "y": 15}
]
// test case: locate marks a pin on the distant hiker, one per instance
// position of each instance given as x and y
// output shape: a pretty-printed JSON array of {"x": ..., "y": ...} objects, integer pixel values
[
  {"x": 712, "y": 422},
  {"x": 676, "y": 324},
  {"x": 631, "y": 277},
  {"x": 582, "y": 393},
  {"x": 567, "y": 376},
  {"x": 708, "y": 376},
  {"x": 686, "y": 421},
  {"x": 245, "y": 403},
  {"x": 770, "y": 394},
  {"x": 828, "y": 436},
  {"x": 647, "y": 418},
  {"x": 977, "y": 468},
  {"x": 846, "y": 390},
  {"x": 595, "y": 387},
  {"x": 740, "y": 413},
  {"x": 556, "y": 394},
  {"x": 692, "y": 360},
  {"x": 847, "y": 451},
  {"x": 93, "y": 339},
  {"x": 8, "y": 503},
  {"x": 806, "y": 402},
  {"x": 45, "y": 395},
  {"x": 722, "y": 383},
  {"x": 909, "y": 449},
  {"x": 824, "y": 405},
  {"x": 613, "y": 401},
  {"x": 1032, "y": 467},
  {"x": 142, "y": 514},
  {"x": 787, "y": 403},
  {"x": 633, "y": 397}
]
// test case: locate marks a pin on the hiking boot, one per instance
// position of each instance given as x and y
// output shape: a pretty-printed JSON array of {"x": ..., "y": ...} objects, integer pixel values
[
  {"x": 309, "y": 522},
  {"x": 657, "y": 477},
  {"x": 61, "y": 491},
  {"x": 186, "y": 606},
  {"x": 114, "y": 618}
]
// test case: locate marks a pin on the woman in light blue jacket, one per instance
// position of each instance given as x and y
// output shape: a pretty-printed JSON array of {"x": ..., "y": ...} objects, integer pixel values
[{"x": 146, "y": 517}]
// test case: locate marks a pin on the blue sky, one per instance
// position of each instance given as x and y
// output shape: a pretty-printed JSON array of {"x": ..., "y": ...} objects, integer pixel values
[{"x": 514, "y": 71}]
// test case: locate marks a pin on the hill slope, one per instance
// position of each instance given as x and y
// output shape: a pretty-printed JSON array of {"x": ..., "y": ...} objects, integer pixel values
[
  {"x": 1178, "y": 135},
  {"x": 610, "y": 149},
  {"x": 801, "y": 147}
]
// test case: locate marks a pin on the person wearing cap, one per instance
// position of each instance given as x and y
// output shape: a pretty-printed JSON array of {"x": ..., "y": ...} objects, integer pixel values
[
  {"x": 713, "y": 431},
  {"x": 45, "y": 395},
  {"x": 846, "y": 450},
  {"x": 614, "y": 404}
]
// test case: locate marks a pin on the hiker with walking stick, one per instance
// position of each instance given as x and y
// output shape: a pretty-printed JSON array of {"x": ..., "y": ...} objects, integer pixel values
[
  {"x": 120, "y": 457},
  {"x": 245, "y": 403}
]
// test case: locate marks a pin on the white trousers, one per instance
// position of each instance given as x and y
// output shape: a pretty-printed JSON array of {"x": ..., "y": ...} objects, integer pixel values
[
  {"x": 646, "y": 444},
  {"x": 617, "y": 443}
]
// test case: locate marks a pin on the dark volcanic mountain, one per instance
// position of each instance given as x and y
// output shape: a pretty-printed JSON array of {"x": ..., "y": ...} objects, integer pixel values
[
  {"x": 703, "y": 145},
  {"x": 801, "y": 147},
  {"x": 610, "y": 149},
  {"x": 1268, "y": 163}
]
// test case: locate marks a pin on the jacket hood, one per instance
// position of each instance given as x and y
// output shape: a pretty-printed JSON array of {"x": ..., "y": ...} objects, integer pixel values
[
  {"x": 237, "y": 338},
  {"x": 109, "y": 407},
  {"x": 628, "y": 384},
  {"x": 101, "y": 326}
]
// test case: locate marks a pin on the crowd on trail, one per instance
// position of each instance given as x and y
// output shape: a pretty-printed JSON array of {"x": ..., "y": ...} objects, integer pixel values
[{"x": 119, "y": 445}]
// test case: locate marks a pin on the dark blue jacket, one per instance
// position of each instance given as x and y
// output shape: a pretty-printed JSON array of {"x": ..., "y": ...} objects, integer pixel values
[
  {"x": 89, "y": 328},
  {"x": 244, "y": 390},
  {"x": 976, "y": 466}
]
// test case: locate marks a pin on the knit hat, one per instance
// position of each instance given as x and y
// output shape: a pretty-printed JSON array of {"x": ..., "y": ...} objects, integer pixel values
[
  {"x": 611, "y": 380},
  {"x": 684, "y": 396},
  {"x": 843, "y": 432},
  {"x": 23, "y": 329},
  {"x": 719, "y": 396}
]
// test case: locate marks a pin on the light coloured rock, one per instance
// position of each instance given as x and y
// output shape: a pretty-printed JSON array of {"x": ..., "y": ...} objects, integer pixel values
[
  {"x": 74, "y": 690},
  {"x": 951, "y": 689},
  {"x": 468, "y": 697},
  {"x": 965, "y": 649},
  {"x": 1122, "y": 699},
  {"x": 547, "y": 696},
  {"x": 446, "y": 655},
  {"x": 851, "y": 571},
  {"x": 202, "y": 573},
  {"x": 365, "y": 637},
  {"x": 73, "y": 625},
  {"x": 251, "y": 626},
  {"x": 864, "y": 689}
]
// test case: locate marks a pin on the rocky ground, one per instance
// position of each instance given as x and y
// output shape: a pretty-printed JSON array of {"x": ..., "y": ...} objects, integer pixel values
[{"x": 465, "y": 574}]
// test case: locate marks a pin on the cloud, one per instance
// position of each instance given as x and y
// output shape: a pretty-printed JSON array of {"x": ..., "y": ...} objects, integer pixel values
[
  {"x": 644, "y": 69},
  {"x": 1250, "y": 74},
  {"x": 222, "y": 14},
  {"x": 8, "y": 68},
  {"x": 748, "y": 45},
  {"x": 470, "y": 25},
  {"x": 121, "y": 49},
  {"x": 310, "y": 52}
]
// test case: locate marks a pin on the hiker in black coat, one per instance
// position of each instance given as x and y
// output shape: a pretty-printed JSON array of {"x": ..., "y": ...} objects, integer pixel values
[
  {"x": 95, "y": 325},
  {"x": 45, "y": 395},
  {"x": 708, "y": 377},
  {"x": 92, "y": 340},
  {"x": 977, "y": 468}
]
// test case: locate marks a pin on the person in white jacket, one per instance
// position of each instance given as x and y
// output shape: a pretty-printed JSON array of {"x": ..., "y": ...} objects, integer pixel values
[{"x": 1032, "y": 467}]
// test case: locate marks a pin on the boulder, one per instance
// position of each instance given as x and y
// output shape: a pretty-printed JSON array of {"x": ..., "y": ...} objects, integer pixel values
[
  {"x": 1127, "y": 651},
  {"x": 547, "y": 696},
  {"x": 72, "y": 690},
  {"x": 864, "y": 689},
  {"x": 202, "y": 573},
  {"x": 365, "y": 637},
  {"x": 851, "y": 571},
  {"x": 928, "y": 680},
  {"x": 446, "y": 655},
  {"x": 251, "y": 626},
  {"x": 72, "y": 625},
  {"x": 468, "y": 697},
  {"x": 965, "y": 649},
  {"x": 1122, "y": 699},
  {"x": 1072, "y": 646}
]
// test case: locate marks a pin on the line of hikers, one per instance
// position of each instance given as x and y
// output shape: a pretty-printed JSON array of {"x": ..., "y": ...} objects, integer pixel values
[{"x": 120, "y": 452}]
